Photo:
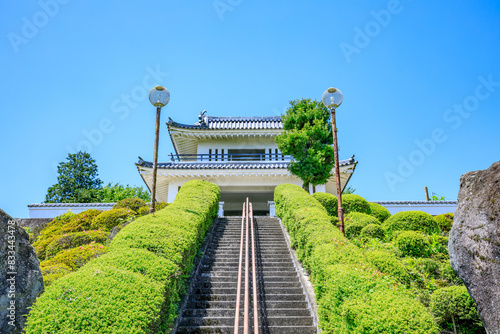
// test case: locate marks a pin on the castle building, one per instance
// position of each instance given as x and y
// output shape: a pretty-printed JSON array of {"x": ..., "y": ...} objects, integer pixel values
[{"x": 236, "y": 153}]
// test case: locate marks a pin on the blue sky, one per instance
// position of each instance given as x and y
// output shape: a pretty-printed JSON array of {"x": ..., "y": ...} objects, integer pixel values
[{"x": 421, "y": 83}]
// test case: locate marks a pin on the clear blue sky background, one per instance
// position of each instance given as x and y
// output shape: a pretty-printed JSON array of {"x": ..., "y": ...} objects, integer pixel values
[{"x": 403, "y": 67}]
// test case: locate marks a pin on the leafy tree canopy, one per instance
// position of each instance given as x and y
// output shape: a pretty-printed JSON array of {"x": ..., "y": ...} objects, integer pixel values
[
  {"x": 308, "y": 139},
  {"x": 77, "y": 181},
  {"x": 113, "y": 193}
]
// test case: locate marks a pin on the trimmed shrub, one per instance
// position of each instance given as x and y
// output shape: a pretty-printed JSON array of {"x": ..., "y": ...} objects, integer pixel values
[
  {"x": 53, "y": 272},
  {"x": 412, "y": 243},
  {"x": 72, "y": 240},
  {"x": 362, "y": 301},
  {"x": 143, "y": 210},
  {"x": 130, "y": 203},
  {"x": 160, "y": 205},
  {"x": 411, "y": 221},
  {"x": 454, "y": 305},
  {"x": 389, "y": 264},
  {"x": 64, "y": 224},
  {"x": 373, "y": 231},
  {"x": 449, "y": 274},
  {"x": 379, "y": 212},
  {"x": 444, "y": 221},
  {"x": 353, "y": 296},
  {"x": 79, "y": 222},
  {"x": 355, "y": 203},
  {"x": 76, "y": 257},
  {"x": 329, "y": 202},
  {"x": 111, "y": 218},
  {"x": 356, "y": 221},
  {"x": 135, "y": 287}
]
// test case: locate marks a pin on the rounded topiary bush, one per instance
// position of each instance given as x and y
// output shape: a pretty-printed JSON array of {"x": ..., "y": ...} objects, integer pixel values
[
  {"x": 411, "y": 221},
  {"x": 329, "y": 202},
  {"x": 355, "y": 203},
  {"x": 412, "y": 243},
  {"x": 111, "y": 218},
  {"x": 356, "y": 221},
  {"x": 444, "y": 221},
  {"x": 373, "y": 231},
  {"x": 133, "y": 204},
  {"x": 453, "y": 307},
  {"x": 379, "y": 212}
]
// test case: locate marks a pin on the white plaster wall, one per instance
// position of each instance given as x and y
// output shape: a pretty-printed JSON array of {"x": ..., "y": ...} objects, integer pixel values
[
  {"x": 432, "y": 209},
  {"x": 237, "y": 143},
  {"x": 52, "y": 212}
]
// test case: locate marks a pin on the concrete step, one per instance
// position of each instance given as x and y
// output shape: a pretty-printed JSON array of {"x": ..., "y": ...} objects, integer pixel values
[
  {"x": 261, "y": 289},
  {"x": 228, "y": 304},
  {"x": 233, "y": 284},
  {"x": 263, "y": 329},
  {"x": 262, "y": 279},
  {"x": 273, "y": 312},
  {"x": 228, "y": 321},
  {"x": 232, "y": 297}
]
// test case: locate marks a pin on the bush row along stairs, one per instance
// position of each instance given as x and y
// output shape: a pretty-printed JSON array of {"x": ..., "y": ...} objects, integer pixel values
[{"x": 282, "y": 303}]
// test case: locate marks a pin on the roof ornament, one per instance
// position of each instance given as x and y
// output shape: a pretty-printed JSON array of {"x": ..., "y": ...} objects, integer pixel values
[{"x": 201, "y": 117}]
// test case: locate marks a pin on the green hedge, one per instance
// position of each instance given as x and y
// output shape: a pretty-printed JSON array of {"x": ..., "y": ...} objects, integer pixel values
[
  {"x": 133, "y": 204},
  {"x": 444, "y": 221},
  {"x": 111, "y": 218},
  {"x": 412, "y": 243},
  {"x": 355, "y": 203},
  {"x": 356, "y": 221},
  {"x": 379, "y": 212},
  {"x": 353, "y": 296},
  {"x": 72, "y": 240},
  {"x": 411, "y": 221},
  {"x": 135, "y": 287},
  {"x": 373, "y": 231},
  {"x": 329, "y": 202}
]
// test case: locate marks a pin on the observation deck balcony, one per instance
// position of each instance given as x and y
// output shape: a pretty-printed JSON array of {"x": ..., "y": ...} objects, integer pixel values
[{"x": 235, "y": 157}]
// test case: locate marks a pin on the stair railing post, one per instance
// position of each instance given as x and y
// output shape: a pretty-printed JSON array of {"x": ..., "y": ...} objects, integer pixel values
[
  {"x": 246, "y": 304},
  {"x": 254, "y": 276}
]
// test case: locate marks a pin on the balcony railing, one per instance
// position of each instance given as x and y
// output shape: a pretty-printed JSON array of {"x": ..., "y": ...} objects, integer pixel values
[{"x": 240, "y": 157}]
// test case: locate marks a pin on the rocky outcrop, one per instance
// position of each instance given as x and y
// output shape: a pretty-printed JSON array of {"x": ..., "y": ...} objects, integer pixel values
[
  {"x": 474, "y": 242},
  {"x": 20, "y": 277}
]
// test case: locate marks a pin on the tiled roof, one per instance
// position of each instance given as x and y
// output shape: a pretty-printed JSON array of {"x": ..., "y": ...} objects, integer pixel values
[
  {"x": 417, "y": 202},
  {"x": 232, "y": 123},
  {"x": 64, "y": 205},
  {"x": 228, "y": 164}
]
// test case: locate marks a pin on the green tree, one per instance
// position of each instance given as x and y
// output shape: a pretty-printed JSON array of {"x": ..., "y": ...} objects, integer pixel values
[
  {"x": 308, "y": 139},
  {"x": 113, "y": 193},
  {"x": 77, "y": 181}
]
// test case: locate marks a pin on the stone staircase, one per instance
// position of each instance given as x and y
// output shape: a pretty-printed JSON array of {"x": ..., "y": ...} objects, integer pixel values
[{"x": 282, "y": 303}]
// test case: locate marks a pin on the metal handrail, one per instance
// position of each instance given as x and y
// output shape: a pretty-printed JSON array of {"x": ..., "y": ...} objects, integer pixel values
[
  {"x": 246, "y": 216},
  {"x": 238, "y": 288},
  {"x": 254, "y": 274},
  {"x": 245, "y": 310},
  {"x": 220, "y": 157}
]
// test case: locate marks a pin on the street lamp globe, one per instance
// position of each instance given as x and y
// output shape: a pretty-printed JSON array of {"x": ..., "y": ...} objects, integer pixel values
[
  {"x": 159, "y": 96},
  {"x": 332, "y": 98}
]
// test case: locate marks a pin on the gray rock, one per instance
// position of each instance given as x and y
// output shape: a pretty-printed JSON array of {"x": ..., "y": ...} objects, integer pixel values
[
  {"x": 20, "y": 277},
  {"x": 474, "y": 242}
]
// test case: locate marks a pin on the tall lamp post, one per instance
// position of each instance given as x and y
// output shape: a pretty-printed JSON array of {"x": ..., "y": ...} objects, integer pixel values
[
  {"x": 159, "y": 97},
  {"x": 332, "y": 98}
]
